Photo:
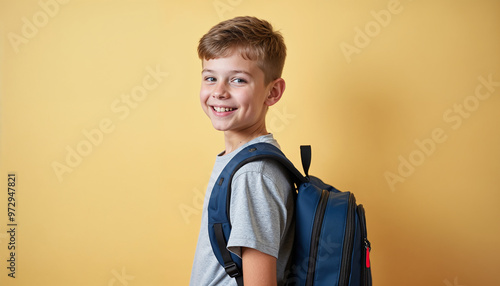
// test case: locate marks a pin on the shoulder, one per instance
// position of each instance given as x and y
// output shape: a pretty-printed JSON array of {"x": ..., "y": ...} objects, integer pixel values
[
  {"x": 265, "y": 179},
  {"x": 267, "y": 168}
]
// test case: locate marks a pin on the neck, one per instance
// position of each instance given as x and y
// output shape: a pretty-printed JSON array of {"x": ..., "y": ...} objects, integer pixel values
[{"x": 234, "y": 140}]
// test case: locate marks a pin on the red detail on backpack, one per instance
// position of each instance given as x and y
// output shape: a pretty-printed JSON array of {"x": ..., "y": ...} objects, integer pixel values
[{"x": 367, "y": 258}]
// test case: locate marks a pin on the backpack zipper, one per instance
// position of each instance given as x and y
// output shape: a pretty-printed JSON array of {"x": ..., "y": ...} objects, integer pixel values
[
  {"x": 345, "y": 266},
  {"x": 318, "y": 222},
  {"x": 365, "y": 258}
]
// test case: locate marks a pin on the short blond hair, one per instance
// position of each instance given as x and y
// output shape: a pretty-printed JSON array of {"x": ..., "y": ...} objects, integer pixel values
[{"x": 254, "y": 38}]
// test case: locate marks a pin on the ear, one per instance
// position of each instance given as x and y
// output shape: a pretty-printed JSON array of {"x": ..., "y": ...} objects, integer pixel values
[{"x": 277, "y": 87}]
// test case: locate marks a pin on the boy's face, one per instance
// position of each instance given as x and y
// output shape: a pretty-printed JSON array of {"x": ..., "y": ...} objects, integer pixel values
[{"x": 233, "y": 94}]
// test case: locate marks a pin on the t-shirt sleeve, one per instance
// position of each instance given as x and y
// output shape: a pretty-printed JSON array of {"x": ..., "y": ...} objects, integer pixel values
[{"x": 258, "y": 211}]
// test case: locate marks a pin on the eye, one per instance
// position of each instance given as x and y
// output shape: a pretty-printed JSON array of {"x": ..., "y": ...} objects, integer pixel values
[
  {"x": 210, "y": 79},
  {"x": 238, "y": 80}
]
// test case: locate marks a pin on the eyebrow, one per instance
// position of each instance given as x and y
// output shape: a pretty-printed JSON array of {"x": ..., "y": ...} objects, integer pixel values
[{"x": 231, "y": 71}]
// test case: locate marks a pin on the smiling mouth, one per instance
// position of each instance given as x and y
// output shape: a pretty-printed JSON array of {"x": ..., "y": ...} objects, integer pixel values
[{"x": 223, "y": 109}]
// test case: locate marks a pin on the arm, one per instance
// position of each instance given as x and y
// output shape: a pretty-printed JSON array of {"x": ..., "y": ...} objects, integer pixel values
[
  {"x": 258, "y": 268},
  {"x": 260, "y": 220}
]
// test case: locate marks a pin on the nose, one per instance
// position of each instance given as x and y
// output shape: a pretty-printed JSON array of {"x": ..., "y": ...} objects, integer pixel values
[{"x": 220, "y": 91}]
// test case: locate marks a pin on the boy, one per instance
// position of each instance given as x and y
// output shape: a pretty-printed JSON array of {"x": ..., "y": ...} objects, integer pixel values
[{"x": 242, "y": 62}]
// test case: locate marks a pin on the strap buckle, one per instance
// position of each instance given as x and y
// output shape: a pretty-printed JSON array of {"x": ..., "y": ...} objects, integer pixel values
[{"x": 232, "y": 269}]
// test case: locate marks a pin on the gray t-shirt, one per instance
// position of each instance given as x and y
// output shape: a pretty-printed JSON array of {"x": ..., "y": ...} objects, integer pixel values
[{"x": 261, "y": 217}]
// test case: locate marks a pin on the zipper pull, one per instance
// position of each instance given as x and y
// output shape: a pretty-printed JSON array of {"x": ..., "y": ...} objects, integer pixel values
[
  {"x": 367, "y": 258},
  {"x": 368, "y": 249}
]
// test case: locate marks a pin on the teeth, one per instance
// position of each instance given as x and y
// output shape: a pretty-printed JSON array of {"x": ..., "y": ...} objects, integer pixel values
[{"x": 222, "y": 109}]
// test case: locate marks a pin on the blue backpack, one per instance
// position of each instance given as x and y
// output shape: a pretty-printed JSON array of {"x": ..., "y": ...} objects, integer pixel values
[{"x": 330, "y": 245}]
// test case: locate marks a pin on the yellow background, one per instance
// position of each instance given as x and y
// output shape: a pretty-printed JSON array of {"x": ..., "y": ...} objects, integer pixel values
[{"x": 128, "y": 213}]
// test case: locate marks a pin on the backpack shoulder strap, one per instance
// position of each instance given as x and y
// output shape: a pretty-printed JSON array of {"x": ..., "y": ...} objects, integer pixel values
[{"x": 219, "y": 223}]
